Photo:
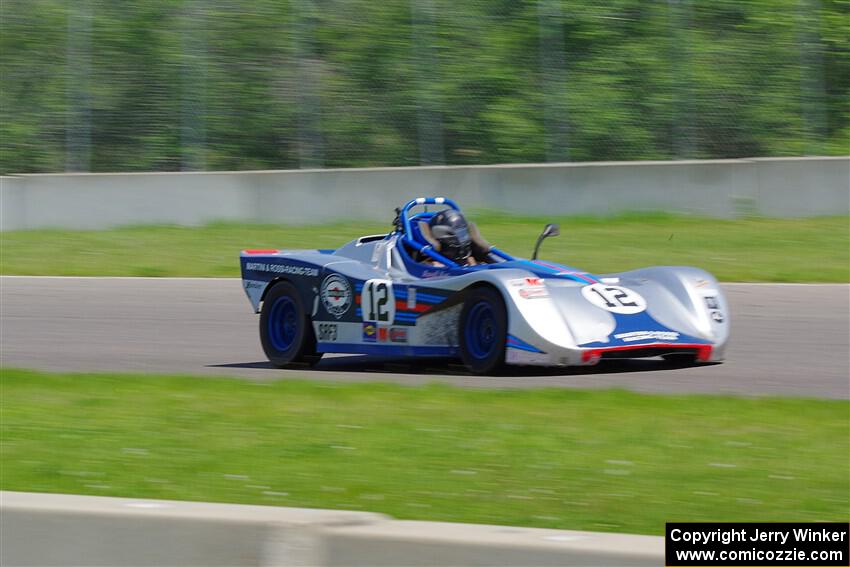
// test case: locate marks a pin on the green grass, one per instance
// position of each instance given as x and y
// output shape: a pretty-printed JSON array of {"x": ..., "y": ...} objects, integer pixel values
[
  {"x": 596, "y": 460},
  {"x": 753, "y": 249}
]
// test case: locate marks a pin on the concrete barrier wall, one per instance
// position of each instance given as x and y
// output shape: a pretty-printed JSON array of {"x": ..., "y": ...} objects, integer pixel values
[
  {"x": 56, "y": 529},
  {"x": 792, "y": 187}
]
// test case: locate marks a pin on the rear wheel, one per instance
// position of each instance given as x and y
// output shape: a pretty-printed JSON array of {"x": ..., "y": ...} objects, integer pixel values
[
  {"x": 285, "y": 330},
  {"x": 483, "y": 331}
]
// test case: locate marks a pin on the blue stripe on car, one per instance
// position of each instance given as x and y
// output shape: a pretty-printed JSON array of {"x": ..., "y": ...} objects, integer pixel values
[
  {"x": 428, "y": 298},
  {"x": 514, "y": 342},
  {"x": 387, "y": 349}
]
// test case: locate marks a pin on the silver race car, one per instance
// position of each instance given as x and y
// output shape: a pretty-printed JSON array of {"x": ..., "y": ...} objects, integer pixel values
[{"x": 434, "y": 287}]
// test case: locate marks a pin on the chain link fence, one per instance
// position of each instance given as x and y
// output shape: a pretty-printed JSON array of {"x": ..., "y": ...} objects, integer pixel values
[{"x": 102, "y": 85}]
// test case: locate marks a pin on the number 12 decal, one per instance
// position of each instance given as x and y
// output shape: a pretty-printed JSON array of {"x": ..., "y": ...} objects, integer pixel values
[
  {"x": 377, "y": 301},
  {"x": 614, "y": 298}
]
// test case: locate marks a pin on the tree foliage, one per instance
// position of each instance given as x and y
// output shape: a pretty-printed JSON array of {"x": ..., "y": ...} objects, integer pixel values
[{"x": 266, "y": 84}]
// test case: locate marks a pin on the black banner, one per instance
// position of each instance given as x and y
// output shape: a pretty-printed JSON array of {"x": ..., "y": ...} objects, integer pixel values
[{"x": 762, "y": 544}]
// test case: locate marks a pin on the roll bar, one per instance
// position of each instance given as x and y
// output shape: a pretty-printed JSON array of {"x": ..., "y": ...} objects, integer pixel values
[{"x": 403, "y": 224}]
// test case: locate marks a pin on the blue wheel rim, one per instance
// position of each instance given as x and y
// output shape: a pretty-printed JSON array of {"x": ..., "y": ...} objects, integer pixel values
[
  {"x": 283, "y": 323},
  {"x": 480, "y": 330}
]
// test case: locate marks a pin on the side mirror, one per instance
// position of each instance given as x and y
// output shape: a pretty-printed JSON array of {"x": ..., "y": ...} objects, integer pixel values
[{"x": 549, "y": 230}]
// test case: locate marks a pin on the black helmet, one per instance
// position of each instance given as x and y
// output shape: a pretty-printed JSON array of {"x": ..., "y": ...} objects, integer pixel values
[{"x": 449, "y": 228}]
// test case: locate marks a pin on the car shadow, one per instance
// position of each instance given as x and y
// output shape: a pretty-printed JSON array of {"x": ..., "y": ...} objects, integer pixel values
[{"x": 450, "y": 367}]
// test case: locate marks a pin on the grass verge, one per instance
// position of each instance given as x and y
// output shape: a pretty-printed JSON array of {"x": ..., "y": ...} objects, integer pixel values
[
  {"x": 756, "y": 249},
  {"x": 595, "y": 460}
]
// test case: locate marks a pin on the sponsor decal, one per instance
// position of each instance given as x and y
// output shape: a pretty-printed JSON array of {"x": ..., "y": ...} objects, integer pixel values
[
  {"x": 530, "y": 288},
  {"x": 254, "y": 289},
  {"x": 713, "y": 308},
  {"x": 411, "y": 298},
  {"x": 289, "y": 269},
  {"x": 432, "y": 274},
  {"x": 614, "y": 298},
  {"x": 336, "y": 295},
  {"x": 632, "y": 336},
  {"x": 370, "y": 333},
  {"x": 533, "y": 292},
  {"x": 526, "y": 282},
  {"x": 398, "y": 335},
  {"x": 327, "y": 332}
]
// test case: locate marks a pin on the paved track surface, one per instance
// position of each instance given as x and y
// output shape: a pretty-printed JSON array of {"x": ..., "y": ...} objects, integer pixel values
[{"x": 789, "y": 340}]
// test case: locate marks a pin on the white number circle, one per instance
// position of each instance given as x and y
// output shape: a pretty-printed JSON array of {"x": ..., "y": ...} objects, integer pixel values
[{"x": 614, "y": 298}]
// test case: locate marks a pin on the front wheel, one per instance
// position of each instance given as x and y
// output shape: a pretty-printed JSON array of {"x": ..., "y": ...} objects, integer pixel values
[
  {"x": 483, "y": 331},
  {"x": 285, "y": 330}
]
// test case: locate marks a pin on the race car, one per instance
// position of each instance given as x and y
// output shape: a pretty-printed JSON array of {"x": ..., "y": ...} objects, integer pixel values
[{"x": 433, "y": 286}]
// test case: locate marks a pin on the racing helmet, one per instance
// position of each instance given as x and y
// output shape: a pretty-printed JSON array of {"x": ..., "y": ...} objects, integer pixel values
[{"x": 450, "y": 229}]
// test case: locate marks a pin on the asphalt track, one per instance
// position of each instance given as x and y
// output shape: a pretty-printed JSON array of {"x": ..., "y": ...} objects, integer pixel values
[{"x": 789, "y": 340}]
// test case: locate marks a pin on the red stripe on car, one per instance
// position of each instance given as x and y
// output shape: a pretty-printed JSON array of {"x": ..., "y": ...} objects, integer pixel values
[{"x": 703, "y": 351}]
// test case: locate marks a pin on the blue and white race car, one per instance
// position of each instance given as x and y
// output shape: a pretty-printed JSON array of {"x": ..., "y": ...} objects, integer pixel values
[{"x": 434, "y": 287}]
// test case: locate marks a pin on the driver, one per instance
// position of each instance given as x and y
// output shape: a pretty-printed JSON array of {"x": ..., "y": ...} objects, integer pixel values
[{"x": 450, "y": 229}]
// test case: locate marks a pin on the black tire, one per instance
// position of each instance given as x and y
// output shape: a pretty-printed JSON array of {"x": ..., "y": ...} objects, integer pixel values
[
  {"x": 285, "y": 329},
  {"x": 483, "y": 331}
]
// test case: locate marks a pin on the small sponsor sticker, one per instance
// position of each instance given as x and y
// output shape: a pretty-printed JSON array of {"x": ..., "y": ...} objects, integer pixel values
[
  {"x": 713, "y": 306},
  {"x": 533, "y": 292},
  {"x": 530, "y": 288},
  {"x": 411, "y": 298},
  {"x": 383, "y": 332},
  {"x": 647, "y": 336},
  {"x": 432, "y": 274},
  {"x": 524, "y": 282},
  {"x": 370, "y": 333},
  {"x": 398, "y": 335}
]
